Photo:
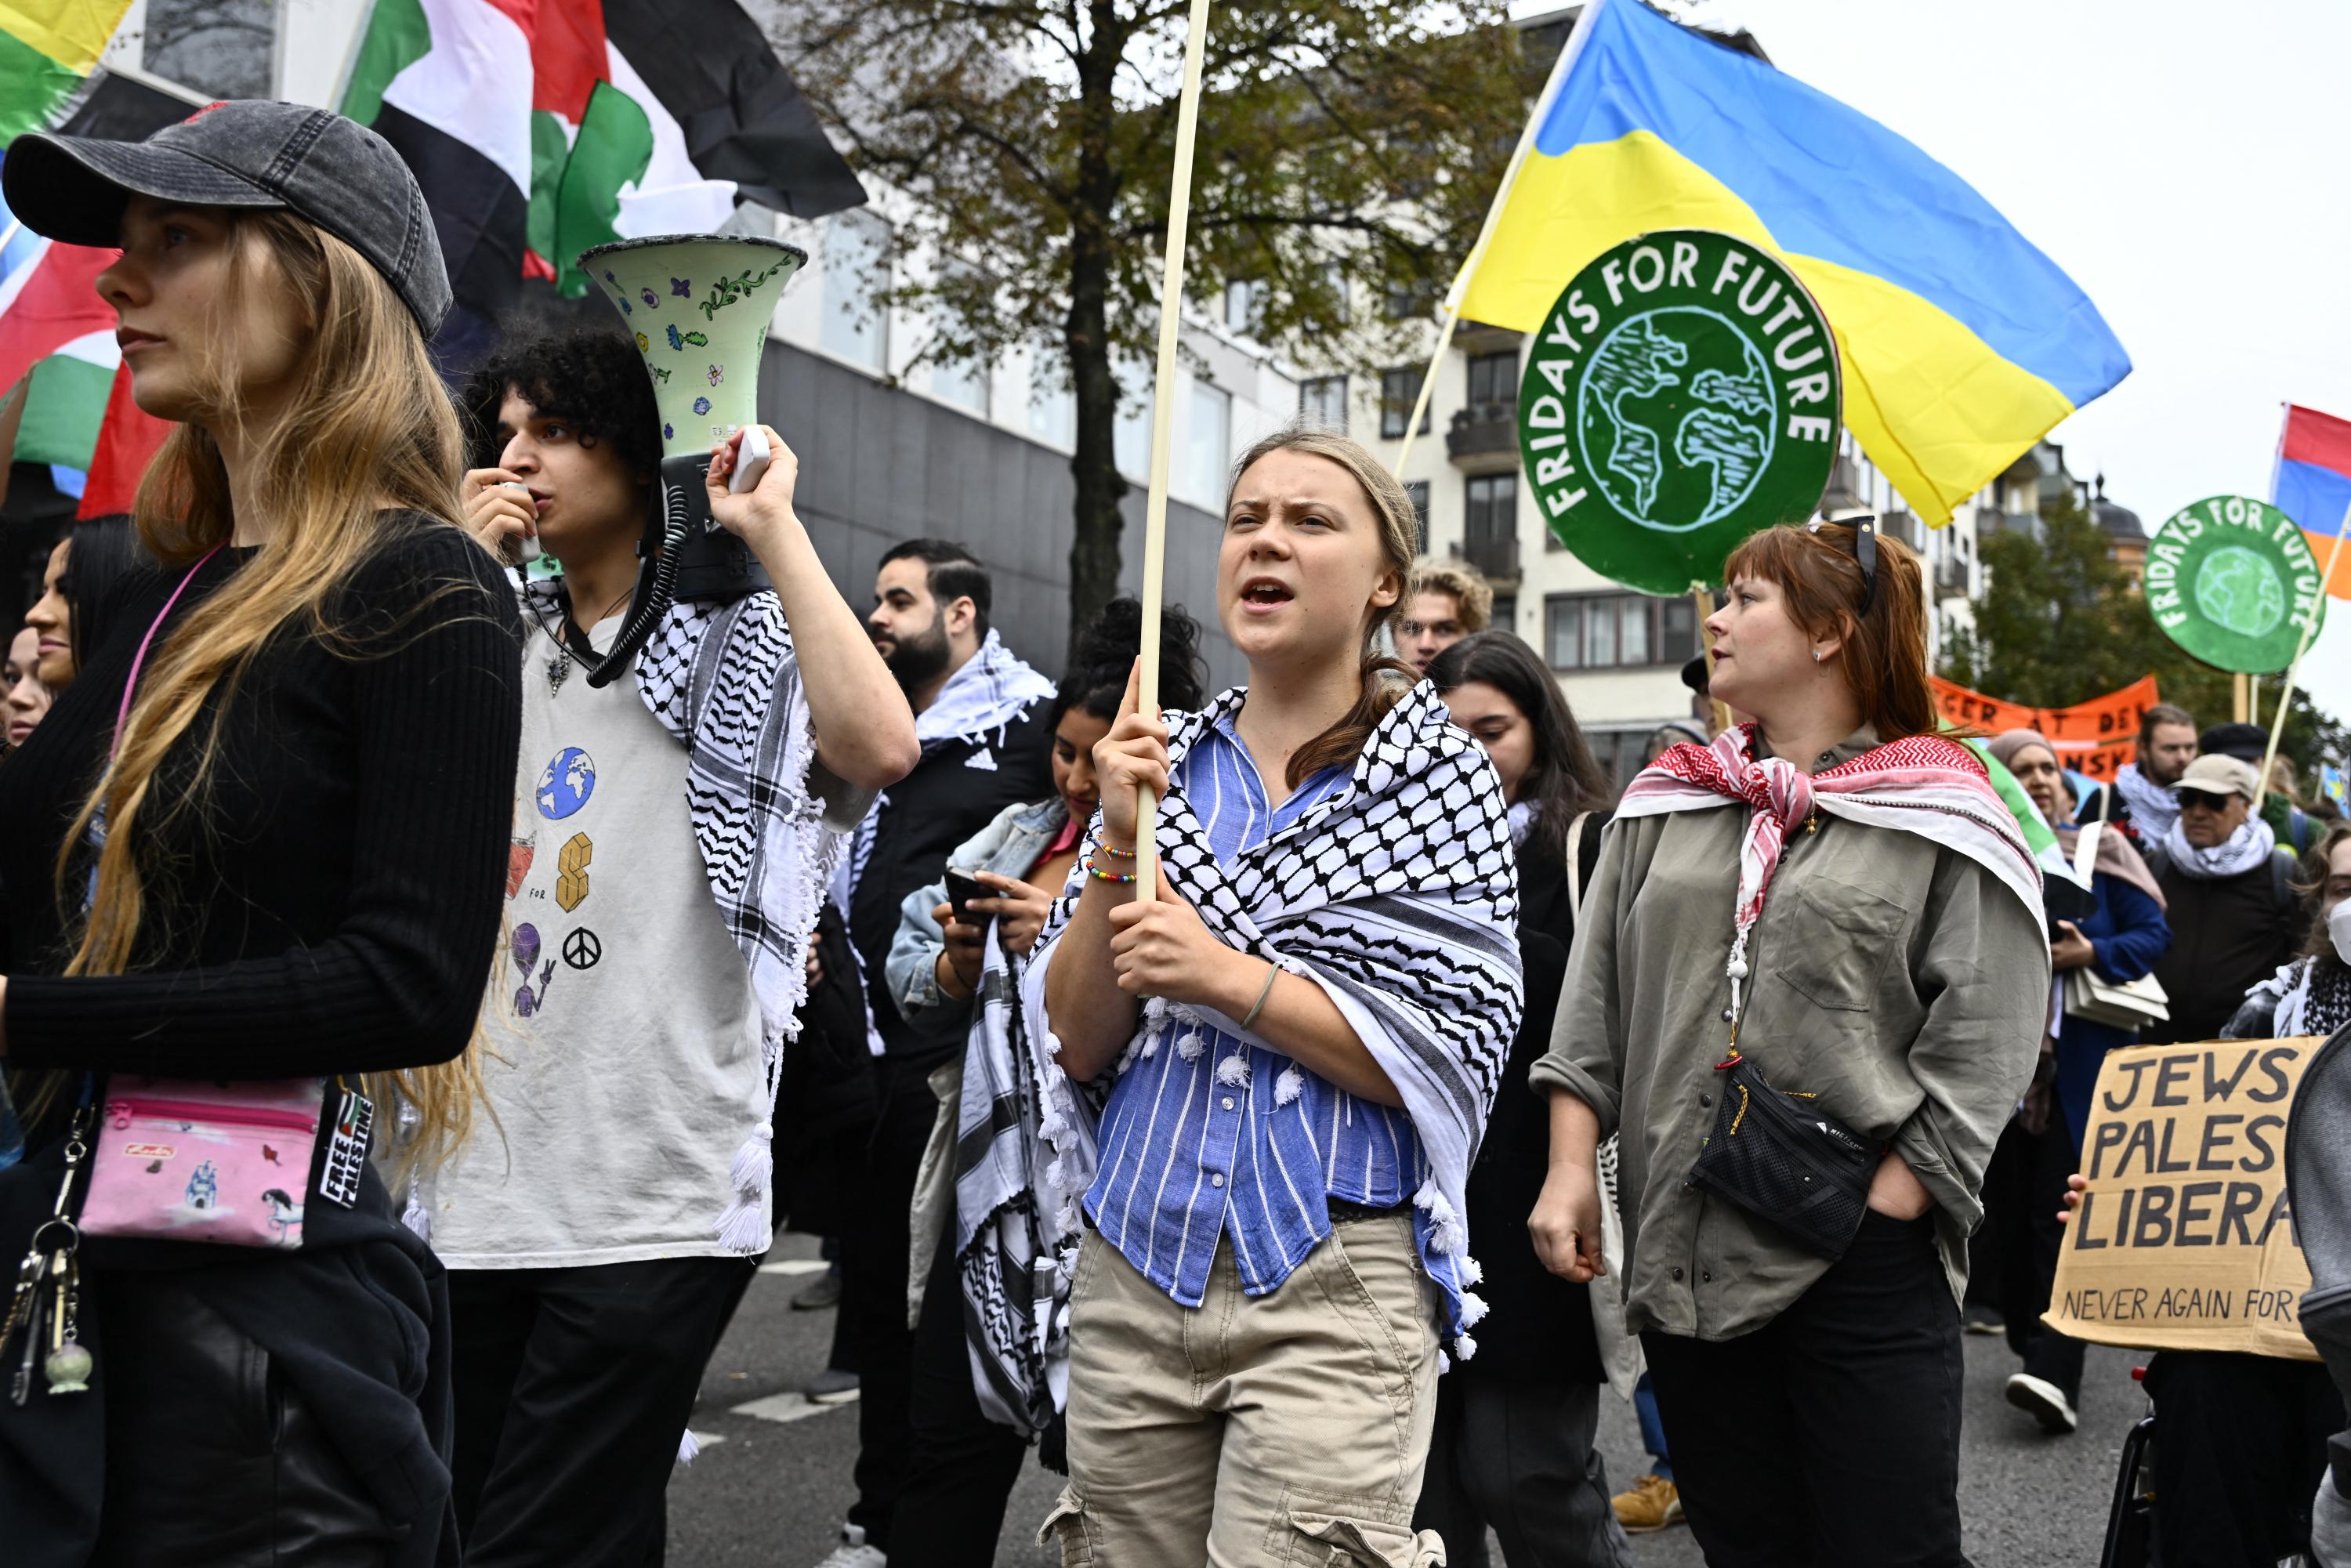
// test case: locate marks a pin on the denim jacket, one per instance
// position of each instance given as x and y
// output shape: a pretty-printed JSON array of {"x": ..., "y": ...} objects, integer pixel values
[{"x": 1009, "y": 846}]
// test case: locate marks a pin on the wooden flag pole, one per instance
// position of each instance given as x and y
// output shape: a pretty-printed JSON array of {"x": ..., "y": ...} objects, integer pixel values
[
  {"x": 1163, "y": 412},
  {"x": 2309, "y": 634},
  {"x": 1453, "y": 296}
]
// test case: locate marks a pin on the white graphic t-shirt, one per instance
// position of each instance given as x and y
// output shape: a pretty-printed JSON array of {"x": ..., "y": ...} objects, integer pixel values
[{"x": 623, "y": 1032}]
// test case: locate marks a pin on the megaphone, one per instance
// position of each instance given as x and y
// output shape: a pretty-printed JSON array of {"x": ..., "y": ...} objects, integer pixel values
[{"x": 698, "y": 306}]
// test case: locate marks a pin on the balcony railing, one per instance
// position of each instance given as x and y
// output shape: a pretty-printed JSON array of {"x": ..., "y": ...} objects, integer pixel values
[
  {"x": 1950, "y": 577},
  {"x": 1496, "y": 558},
  {"x": 1483, "y": 430}
]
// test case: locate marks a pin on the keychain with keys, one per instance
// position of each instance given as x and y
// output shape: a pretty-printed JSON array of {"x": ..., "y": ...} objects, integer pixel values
[{"x": 49, "y": 1317}]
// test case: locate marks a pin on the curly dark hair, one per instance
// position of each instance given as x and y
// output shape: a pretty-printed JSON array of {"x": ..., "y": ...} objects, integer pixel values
[
  {"x": 1106, "y": 651},
  {"x": 593, "y": 377}
]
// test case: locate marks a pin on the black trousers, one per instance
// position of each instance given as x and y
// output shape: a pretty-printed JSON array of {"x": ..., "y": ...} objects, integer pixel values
[
  {"x": 874, "y": 1295},
  {"x": 572, "y": 1388},
  {"x": 961, "y": 1466},
  {"x": 212, "y": 1459},
  {"x": 1830, "y": 1434},
  {"x": 2239, "y": 1445},
  {"x": 1516, "y": 1453},
  {"x": 2023, "y": 1192}
]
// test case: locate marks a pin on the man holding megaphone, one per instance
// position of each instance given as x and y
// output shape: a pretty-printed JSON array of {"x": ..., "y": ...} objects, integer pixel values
[{"x": 672, "y": 833}]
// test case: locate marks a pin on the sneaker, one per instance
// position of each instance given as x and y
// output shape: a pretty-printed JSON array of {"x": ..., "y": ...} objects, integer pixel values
[
  {"x": 852, "y": 1552},
  {"x": 1978, "y": 1319},
  {"x": 821, "y": 1296},
  {"x": 830, "y": 1386},
  {"x": 1652, "y": 1505},
  {"x": 2044, "y": 1401}
]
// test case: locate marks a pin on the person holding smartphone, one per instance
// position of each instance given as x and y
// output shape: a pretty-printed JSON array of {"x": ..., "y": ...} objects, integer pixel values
[{"x": 984, "y": 1381}]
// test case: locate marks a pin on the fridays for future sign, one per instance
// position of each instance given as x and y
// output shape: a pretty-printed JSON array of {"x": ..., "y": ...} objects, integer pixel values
[
  {"x": 2233, "y": 581},
  {"x": 1683, "y": 393}
]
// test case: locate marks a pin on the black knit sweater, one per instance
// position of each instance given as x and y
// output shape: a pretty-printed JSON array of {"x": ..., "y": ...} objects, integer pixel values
[{"x": 332, "y": 904}]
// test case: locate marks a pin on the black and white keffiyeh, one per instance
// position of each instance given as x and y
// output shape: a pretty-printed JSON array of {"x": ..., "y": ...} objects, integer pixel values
[
  {"x": 1016, "y": 1224},
  {"x": 724, "y": 680},
  {"x": 1399, "y": 895}
]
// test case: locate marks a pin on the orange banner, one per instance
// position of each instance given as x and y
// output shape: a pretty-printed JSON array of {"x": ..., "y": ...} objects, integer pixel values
[{"x": 2093, "y": 738}]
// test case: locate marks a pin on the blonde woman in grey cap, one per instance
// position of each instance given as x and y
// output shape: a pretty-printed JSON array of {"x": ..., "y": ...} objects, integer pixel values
[{"x": 255, "y": 852}]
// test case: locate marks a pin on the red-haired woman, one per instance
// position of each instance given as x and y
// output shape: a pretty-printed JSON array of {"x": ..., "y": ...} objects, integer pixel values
[{"x": 1832, "y": 895}]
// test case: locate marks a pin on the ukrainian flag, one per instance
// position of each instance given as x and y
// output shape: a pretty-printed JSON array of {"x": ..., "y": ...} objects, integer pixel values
[{"x": 1962, "y": 344}]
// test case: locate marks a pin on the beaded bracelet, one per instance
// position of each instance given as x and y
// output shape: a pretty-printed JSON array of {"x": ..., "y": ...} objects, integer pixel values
[
  {"x": 1094, "y": 871},
  {"x": 1115, "y": 852}
]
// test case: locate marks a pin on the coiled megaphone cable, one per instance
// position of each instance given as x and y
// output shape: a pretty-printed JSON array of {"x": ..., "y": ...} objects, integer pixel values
[{"x": 656, "y": 586}]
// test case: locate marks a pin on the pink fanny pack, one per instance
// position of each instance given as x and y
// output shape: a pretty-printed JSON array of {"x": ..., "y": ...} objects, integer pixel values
[
  {"x": 185, "y": 1160},
  {"x": 190, "y": 1159}
]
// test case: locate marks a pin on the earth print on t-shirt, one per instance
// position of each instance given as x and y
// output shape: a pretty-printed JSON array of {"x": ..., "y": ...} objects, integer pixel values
[{"x": 566, "y": 783}]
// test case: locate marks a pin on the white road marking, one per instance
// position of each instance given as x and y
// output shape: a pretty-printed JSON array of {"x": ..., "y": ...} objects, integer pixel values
[{"x": 787, "y": 1407}]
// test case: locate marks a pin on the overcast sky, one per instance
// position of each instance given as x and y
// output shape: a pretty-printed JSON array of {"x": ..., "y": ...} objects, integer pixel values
[{"x": 2185, "y": 163}]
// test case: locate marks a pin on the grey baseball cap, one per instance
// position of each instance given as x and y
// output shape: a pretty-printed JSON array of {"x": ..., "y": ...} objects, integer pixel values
[{"x": 249, "y": 152}]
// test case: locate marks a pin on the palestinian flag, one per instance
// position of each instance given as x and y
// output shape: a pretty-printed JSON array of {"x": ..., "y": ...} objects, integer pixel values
[
  {"x": 56, "y": 336},
  {"x": 46, "y": 48},
  {"x": 540, "y": 128}
]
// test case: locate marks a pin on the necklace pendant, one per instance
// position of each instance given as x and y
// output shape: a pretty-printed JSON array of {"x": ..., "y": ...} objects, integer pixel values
[{"x": 558, "y": 668}]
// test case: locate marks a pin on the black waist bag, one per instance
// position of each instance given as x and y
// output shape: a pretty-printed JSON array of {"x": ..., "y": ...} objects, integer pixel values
[{"x": 1775, "y": 1156}]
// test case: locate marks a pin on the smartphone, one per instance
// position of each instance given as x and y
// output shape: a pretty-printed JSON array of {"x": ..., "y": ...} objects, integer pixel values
[{"x": 963, "y": 886}]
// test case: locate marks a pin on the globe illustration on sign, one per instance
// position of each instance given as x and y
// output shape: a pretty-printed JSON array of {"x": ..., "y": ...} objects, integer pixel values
[
  {"x": 2237, "y": 589},
  {"x": 1675, "y": 417},
  {"x": 566, "y": 783}
]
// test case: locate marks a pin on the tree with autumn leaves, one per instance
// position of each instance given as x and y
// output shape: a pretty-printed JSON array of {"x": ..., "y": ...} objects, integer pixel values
[{"x": 1347, "y": 151}]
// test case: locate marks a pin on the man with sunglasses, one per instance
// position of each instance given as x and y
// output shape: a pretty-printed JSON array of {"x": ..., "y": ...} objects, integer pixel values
[{"x": 2230, "y": 897}]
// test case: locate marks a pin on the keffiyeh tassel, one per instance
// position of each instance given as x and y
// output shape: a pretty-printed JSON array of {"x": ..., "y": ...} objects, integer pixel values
[
  {"x": 1288, "y": 1086},
  {"x": 742, "y": 1227}
]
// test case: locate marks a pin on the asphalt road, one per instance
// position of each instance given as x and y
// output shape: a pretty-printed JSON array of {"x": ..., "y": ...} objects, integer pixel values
[{"x": 769, "y": 1491}]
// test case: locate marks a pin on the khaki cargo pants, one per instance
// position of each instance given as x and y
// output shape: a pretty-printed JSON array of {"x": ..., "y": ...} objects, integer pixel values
[{"x": 1288, "y": 1427}]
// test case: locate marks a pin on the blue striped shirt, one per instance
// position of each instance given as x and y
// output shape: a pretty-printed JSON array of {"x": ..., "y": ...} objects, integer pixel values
[{"x": 1193, "y": 1150}]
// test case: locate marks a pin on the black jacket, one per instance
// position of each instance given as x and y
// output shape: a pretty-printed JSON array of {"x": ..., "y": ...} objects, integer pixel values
[
  {"x": 956, "y": 789},
  {"x": 1539, "y": 1326},
  {"x": 2228, "y": 935}
]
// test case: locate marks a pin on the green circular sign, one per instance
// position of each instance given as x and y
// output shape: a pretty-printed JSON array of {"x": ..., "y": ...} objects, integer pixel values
[
  {"x": 2233, "y": 581},
  {"x": 1683, "y": 393}
]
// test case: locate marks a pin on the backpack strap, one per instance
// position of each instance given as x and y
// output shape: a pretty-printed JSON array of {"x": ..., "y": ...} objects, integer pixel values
[{"x": 2282, "y": 865}]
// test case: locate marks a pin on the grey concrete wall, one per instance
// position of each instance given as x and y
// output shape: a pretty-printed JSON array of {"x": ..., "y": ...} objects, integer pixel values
[{"x": 879, "y": 465}]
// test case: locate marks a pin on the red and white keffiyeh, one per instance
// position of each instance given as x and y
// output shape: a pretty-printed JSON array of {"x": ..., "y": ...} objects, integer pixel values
[{"x": 1924, "y": 785}]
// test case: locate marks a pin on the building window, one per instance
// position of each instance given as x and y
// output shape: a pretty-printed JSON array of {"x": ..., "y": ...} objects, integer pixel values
[
  {"x": 1505, "y": 612},
  {"x": 964, "y": 385},
  {"x": 1417, "y": 490},
  {"x": 1053, "y": 407},
  {"x": 1494, "y": 378},
  {"x": 1243, "y": 302},
  {"x": 1399, "y": 389},
  {"x": 1131, "y": 435},
  {"x": 1618, "y": 631},
  {"x": 1322, "y": 403},
  {"x": 1489, "y": 525},
  {"x": 856, "y": 264},
  {"x": 1206, "y": 451}
]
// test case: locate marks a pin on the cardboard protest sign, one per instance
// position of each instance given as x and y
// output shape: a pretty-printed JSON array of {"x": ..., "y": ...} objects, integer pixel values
[
  {"x": 2183, "y": 1240},
  {"x": 1683, "y": 393},
  {"x": 2094, "y": 738}
]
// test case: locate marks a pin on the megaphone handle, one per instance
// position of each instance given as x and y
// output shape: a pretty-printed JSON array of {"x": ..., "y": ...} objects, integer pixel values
[{"x": 750, "y": 460}]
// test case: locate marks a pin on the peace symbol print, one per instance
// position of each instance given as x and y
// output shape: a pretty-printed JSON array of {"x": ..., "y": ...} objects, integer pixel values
[{"x": 582, "y": 949}]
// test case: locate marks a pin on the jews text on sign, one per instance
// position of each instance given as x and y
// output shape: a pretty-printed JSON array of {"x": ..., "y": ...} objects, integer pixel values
[
  {"x": 1682, "y": 394},
  {"x": 2183, "y": 1239}
]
